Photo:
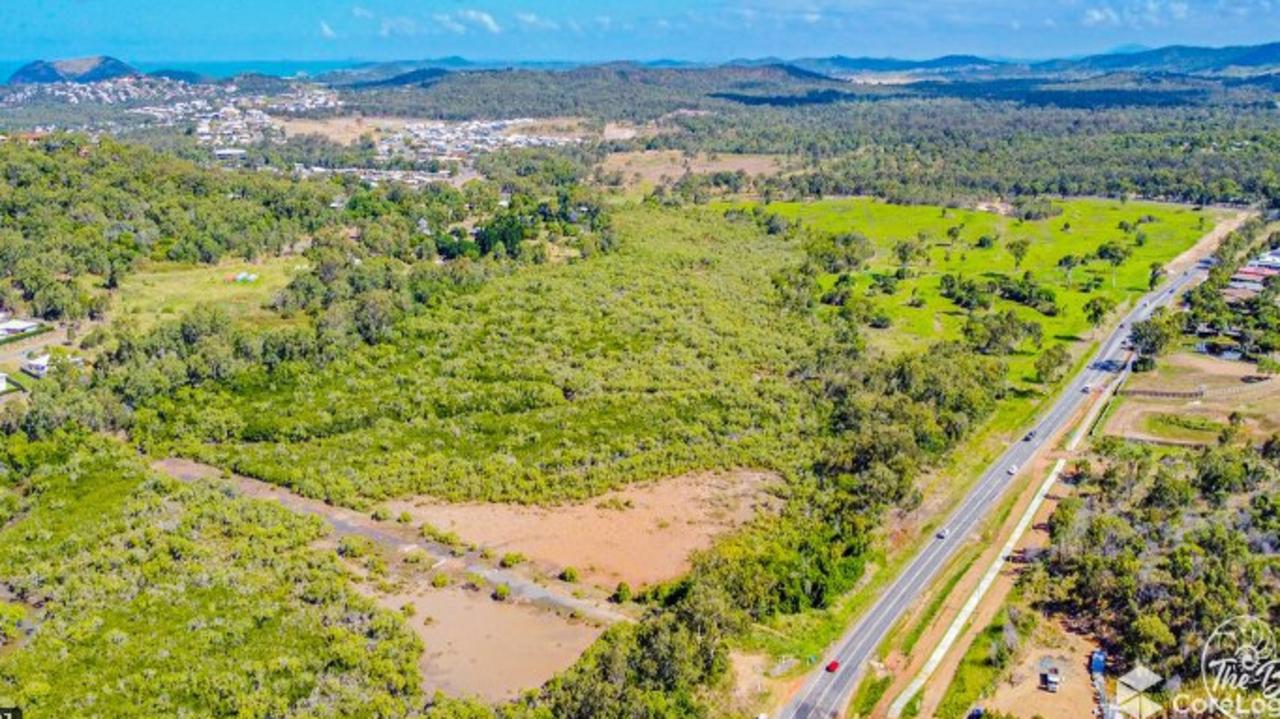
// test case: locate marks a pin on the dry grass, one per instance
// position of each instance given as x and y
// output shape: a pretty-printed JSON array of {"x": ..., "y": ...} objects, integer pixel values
[{"x": 655, "y": 166}]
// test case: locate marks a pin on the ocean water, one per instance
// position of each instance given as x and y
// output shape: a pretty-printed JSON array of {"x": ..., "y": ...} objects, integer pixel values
[{"x": 230, "y": 68}]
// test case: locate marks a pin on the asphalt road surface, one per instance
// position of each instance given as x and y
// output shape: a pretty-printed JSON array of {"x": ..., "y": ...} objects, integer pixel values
[{"x": 826, "y": 694}]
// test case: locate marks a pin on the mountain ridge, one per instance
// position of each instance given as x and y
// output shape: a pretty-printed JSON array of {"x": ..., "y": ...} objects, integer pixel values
[
  {"x": 1192, "y": 60},
  {"x": 81, "y": 70}
]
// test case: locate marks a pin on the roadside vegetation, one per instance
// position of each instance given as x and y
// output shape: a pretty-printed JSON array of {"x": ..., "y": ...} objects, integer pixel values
[{"x": 1192, "y": 530}]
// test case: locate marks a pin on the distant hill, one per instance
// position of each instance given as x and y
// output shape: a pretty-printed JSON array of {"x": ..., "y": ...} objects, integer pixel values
[
  {"x": 85, "y": 69},
  {"x": 1183, "y": 59},
  {"x": 191, "y": 78},
  {"x": 422, "y": 77},
  {"x": 888, "y": 64}
]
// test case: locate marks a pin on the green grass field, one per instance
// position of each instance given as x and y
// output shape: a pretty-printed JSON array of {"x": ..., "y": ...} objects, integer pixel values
[
  {"x": 168, "y": 290},
  {"x": 1088, "y": 224},
  {"x": 1183, "y": 428}
]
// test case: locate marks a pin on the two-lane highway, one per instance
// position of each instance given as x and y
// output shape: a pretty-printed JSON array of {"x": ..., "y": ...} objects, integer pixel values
[{"x": 826, "y": 694}]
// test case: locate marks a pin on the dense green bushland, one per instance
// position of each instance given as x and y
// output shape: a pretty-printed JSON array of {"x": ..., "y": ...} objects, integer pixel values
[
  {"x": 678, "y": 349},
  {"x": 71, "y": 208},
  {"x": 1180, "y": 139},
  {"x": 1161, "y": 546},
  {"x": 154, "y": 598},
  {"x": 944, "y": 151},
  {"x": 555, "y": 381}
]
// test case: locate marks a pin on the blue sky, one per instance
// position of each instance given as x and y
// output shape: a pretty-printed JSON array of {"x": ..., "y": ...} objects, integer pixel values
[{"x": 185, "y": 30}]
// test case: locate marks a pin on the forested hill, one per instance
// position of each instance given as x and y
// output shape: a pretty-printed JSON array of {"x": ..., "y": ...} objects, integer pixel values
[
  {"x": 86, "y": 69},
  {"x": 1240, "y": 60},
  {"x": 618, "y": 90}
]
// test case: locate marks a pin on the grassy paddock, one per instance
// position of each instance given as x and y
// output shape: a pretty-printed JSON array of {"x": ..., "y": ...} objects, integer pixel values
[
  {"x": 168, "y": 290},
  {"x": 1083, "y": 226}
]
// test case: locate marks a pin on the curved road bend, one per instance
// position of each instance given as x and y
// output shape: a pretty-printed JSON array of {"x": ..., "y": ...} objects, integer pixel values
[{"x": 826, "y": 694}]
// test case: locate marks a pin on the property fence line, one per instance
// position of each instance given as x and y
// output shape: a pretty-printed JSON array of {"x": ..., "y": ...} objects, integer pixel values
[
  {"x": 1261, "y": 387},
  {"x": 1161, "y": 394}
]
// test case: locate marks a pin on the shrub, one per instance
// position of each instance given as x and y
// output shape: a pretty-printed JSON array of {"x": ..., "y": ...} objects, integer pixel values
[{"x": 621, "y": 594}]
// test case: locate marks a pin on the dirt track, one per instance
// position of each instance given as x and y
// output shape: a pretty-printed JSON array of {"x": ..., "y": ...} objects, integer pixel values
[{"x": 398, "y": 539}]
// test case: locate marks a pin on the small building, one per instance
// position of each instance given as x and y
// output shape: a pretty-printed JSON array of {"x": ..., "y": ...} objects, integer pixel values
[
  {"x": 37, "y": 366},
  {"x": 229, "y": 154},
  {"x": 8, "y": 328},
  {"x": 1243, "y": 284}
]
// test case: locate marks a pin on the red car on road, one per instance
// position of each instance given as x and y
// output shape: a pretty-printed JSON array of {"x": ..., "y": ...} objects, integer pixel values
[{"x": 834, "y": 665}]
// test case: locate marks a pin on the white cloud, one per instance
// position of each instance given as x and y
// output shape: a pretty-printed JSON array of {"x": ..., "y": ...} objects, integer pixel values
[
  {"x": 1096, "y": 16},
  {"x": 448, "y": 23},
  {"x": 327, "y": 32},
  {"x": 533, "y": 21},
  {"x": 398, "y": 26},
  {"x": 361, "y": 12},
  {"x": 481, "y": 19},
  {"x": 1138, "y": 14}
]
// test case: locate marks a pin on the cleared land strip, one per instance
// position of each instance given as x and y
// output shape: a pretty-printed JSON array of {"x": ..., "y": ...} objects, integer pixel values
[{"x": 397, "y": 539}]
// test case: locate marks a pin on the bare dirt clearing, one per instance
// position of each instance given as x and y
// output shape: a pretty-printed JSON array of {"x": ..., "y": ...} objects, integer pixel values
[
  {"x": 570, "y": 128},
  {"x": 1187, "y": 372},
  {"x": 399, "y": 539},
  {"x": 475, "y": 645},
  {"x": 1229, "y": 387},
  {"x": 654, "y": 166},
  {"x": 479, "y": 647},
  {"x": 1053, "y": 645},
  {"x": 640, "y": 535}
]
